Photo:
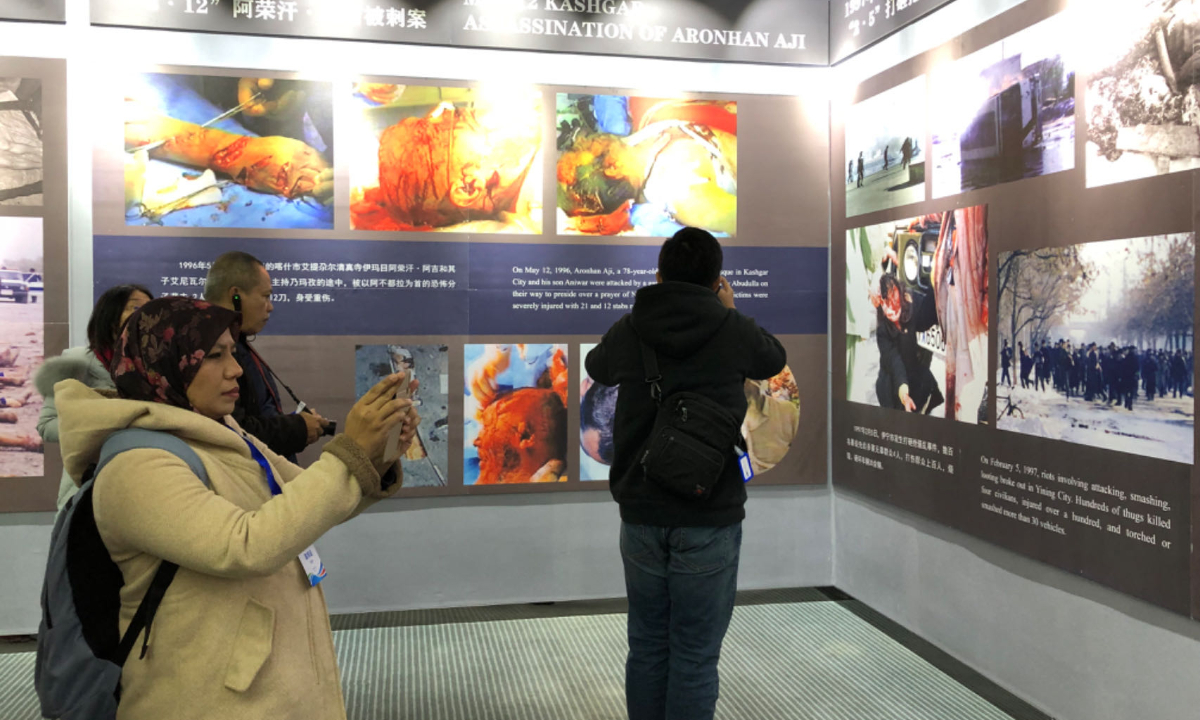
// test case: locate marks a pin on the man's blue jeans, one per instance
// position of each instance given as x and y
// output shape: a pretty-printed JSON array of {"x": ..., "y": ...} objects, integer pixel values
[{"x": 681, "y": 584}]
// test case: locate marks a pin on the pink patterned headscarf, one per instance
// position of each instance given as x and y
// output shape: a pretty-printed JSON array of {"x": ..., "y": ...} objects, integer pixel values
[{"x": 161, "y": 348}]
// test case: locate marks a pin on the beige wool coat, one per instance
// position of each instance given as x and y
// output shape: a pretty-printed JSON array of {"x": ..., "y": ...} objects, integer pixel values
[{"x": 240, "y": 633}]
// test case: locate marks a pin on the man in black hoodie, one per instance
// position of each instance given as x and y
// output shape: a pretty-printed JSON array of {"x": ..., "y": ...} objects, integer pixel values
[{"x": 680, "y": 555}]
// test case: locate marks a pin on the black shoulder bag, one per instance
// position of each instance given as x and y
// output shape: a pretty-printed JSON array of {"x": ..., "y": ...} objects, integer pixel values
[{"x": 692, "y": 439}]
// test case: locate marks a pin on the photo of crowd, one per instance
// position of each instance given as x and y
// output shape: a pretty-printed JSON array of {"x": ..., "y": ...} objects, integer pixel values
[
  {"x": 214, "y": 151},
  {"x": 885, "y": 153},
  {"x": 645, "y": 166},
  {"x": 426, "y": 461},
  {"x": 20, "y": 141},
  {"x": 1004, "y": 113},
  {"x": 515, "y": 414},
  {"x": 448, "y": 159},
  {"x": 917, "y": 315},
  {"x": 1143, "y": 104},
  {"x": 22, "y": 345},
  {"x": 1097, "y": 345}
]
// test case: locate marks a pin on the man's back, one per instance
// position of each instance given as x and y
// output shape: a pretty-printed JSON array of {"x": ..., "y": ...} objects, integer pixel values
[{"x": 701, "y": 346}]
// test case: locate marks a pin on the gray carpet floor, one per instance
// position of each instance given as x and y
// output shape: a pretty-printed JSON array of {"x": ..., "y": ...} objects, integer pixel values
[{"x": 784, "y": 661}]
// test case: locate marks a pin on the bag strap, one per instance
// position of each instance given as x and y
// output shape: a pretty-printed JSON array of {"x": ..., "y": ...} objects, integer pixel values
[
  {"x": 650, "y": 367},
  {"x": 134, "y": 439}
]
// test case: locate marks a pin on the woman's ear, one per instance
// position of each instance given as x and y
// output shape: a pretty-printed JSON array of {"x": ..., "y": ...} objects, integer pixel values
[{"x": 658, "y": 277}]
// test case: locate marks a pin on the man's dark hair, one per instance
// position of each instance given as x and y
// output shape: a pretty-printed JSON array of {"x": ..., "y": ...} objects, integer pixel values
[
  {"x": 233, "y": 269},
  {"x": 597, "y": 410},
  {"x": 102, "y": 328},
  {"x": 693, "y": 256}
]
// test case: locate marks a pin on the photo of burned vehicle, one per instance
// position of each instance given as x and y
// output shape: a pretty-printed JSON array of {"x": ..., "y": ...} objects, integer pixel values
[
  {"x": 1142, "y": 97},
  {"x": 1004, "y": 113}
]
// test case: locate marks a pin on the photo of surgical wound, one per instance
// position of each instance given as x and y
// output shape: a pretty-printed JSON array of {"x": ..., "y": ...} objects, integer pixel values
[
  {"x": 515, "y": 414},
  {"x": 20, "y": 141},
  {"x": 771, "y": 423},
  {"x": 1097, "y": 344},
  {"x": 1142, "y": 100},
  {"x": 22, "y": 346},
  {"x": 917, "y": 315},
  {"x": 1004, "y": 113},
  {"x": 426, "y": 461},
  {"x": 228, "y": 152},
  {"x": 885, "y": 149},
  {"x": 445, "y": 159},
  {"x": 645, "y": 166}
]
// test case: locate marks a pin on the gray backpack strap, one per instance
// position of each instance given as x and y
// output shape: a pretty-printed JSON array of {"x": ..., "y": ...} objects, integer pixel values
[{"x": 139, "y": 439}]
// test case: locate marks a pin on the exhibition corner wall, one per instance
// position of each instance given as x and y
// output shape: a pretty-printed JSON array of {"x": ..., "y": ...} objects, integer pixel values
[
  {"x": 467, "y": 224},
  {"x": 1014, "y": 270}
]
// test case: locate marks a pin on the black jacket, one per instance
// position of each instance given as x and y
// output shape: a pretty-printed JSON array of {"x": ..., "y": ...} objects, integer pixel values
[
  {"x": 701, "y": 346},
  {"x": 256, "y": 412}
]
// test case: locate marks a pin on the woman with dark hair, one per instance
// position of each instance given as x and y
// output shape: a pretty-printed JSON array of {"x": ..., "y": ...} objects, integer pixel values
[
  {"x": 89, "y": 364},
  {"x": 243, "y": 630},
  {"x": 905, "y": 381}
]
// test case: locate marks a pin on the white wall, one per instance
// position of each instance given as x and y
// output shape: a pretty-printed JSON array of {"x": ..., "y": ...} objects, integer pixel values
[
  {"x": 1071, "y": 647},
  {"x": 416, "y": 553}
]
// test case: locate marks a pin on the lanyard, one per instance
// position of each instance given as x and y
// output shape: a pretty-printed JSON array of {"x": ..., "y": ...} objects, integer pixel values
[
  {"x": 265, "y": 371},
  {"x": 266, "y": 466}
]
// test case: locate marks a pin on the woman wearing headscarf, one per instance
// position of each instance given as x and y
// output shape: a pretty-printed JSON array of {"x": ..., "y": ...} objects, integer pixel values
[
  {"x": 87, "y": 364},
  {"x": 243, "y": 631}
]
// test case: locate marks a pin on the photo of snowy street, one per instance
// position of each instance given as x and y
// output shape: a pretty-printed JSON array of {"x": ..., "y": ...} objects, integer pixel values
[{"x": 1097, "y": 345}]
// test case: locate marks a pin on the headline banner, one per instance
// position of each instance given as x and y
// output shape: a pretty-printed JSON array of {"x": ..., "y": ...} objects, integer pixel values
[{"x": 765, "y": 31}]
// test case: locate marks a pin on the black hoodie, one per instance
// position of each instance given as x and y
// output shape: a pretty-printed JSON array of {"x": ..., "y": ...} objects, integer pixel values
[{"x": 701, "y": 346}]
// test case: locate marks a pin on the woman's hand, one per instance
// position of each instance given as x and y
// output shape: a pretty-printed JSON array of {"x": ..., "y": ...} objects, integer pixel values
[{"x": 375, "y": 415}]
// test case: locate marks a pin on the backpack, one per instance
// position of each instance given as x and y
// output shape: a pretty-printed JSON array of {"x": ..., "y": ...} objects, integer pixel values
[
  {"x": 79, "y": 654},
  {"x": 692, "y": 438}
]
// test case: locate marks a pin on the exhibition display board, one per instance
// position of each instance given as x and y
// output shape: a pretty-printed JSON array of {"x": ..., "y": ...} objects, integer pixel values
[
  {"x": 33, "y": 269},
  {"x": 1014, "y": 302},
  {"x": 761, "y": 31},
  {"x": 484, "y": 236}
]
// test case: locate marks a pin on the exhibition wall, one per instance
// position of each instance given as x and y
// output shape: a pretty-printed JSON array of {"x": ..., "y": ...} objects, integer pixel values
[
  {"x": 914, "y": 548},
  {"x": 1016, "y": 238},
  {"x": 457, "y": 543}
]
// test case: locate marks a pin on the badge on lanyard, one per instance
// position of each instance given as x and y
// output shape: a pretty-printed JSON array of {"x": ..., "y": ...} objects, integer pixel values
[
  {"x": 309, "y": 559},
  {"x": 744, "y": 464}
]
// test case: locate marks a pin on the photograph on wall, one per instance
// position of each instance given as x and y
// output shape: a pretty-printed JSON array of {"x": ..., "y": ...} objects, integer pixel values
[
  {"x": 228, "y": 152},
  {"x": 772, "y": 419},
  {"x": 885, "y": 149},
  {"x": 426, "y": 464},
  {"x": 1142, "y": 101},
  {"x": 769, "y": 428},
  {"x": 1097, "y": 344},
  {"x": 917, "y": 315},
  {"x": 597, "y": 410},
  {"x": 22, "y": 345},
  {"x": 515, "y": 414},
  {"x": 20, "y": 141},
  {"x": 448, "y": 159},
  {"x": 645, "y": 166},
  {"x": 1004, "y": 113}
]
